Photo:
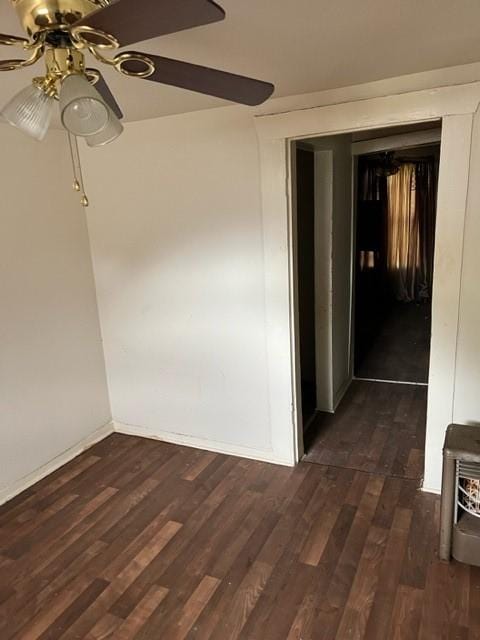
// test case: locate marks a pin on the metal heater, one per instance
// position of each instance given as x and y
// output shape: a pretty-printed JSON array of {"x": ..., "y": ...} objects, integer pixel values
[{"x": 460, "y": 505}]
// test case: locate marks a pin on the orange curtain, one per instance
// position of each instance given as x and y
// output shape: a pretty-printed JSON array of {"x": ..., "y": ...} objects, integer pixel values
[
  {"x": 403, "y": 248},
  {"x": 410, "y": 230}
]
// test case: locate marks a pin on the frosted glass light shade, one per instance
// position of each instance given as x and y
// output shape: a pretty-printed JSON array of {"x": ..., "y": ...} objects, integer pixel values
[
  {"x": 82, "y": 109},
  {"x": 30, "y": 111},
  {"x": 113, "y": 129}
]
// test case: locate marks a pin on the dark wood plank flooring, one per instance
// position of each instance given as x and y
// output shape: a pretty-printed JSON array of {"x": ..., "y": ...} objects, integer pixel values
[
  {"x": 379, "y": 427},
  {"x": 399, "y": 347},
  {"x": 137, "y": 539}
]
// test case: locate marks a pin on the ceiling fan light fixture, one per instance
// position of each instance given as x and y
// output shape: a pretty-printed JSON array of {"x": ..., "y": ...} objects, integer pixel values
[
  {"x": 83, "y": 110},
  {"x": 30, "y": 110},
  {"x": 110, "y": 133}
]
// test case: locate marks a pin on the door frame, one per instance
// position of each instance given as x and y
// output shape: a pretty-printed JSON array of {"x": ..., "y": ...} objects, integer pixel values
[{"x": 454, "y": 106}]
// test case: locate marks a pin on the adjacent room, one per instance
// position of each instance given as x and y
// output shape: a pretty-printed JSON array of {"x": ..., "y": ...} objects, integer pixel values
[
  {"x": 364, "y": 356},
  {"x": 239, "y": 332}
]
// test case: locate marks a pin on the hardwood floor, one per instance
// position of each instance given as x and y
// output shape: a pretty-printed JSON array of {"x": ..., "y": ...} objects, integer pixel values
[
  {"x": 399, "y": 347},
  {"x": 379, "y": 428},
  {"x": 136, "y": 539}
]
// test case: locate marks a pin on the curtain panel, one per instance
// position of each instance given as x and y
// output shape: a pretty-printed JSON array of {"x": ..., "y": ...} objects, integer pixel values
[{"x": 409, "y": 205}]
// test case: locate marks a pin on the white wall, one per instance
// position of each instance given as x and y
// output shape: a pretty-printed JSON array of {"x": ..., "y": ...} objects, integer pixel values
[
  {"x": 333, "y": 240},
  {"x": 182, "y": 260},
  {"x": 53, "y": 391},
  {"x": 341, "y": 273},
  {"x": 467, "y": 382},
  {"x": 323, "y": 278},
  {"x": 175, "y": 223}
]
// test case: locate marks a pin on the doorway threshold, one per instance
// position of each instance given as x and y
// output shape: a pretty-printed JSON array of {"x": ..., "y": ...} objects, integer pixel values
[{"x": 418, "y": 384}]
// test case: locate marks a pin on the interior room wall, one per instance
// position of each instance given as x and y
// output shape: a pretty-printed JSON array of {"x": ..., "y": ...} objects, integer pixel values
[
  {"x": 53, "y": 391},
  {"x": 333, "y": 266},
  {"x": 176, "y": 229},
  {"x": 342, "y": 268},
  {"x": 323, "y": 278},
  {"x": 467, "y": 381},
  {"x": 178, "y": 246}
]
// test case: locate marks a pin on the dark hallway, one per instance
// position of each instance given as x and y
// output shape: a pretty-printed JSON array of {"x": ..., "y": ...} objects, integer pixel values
[
  {"x": 394, "y": 240},
  {"x": 400, "y": 348},
  {"x": 379, "y": 425}
]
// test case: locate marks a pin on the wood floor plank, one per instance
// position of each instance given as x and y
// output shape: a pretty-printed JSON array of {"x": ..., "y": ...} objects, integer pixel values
[
  {"x": 50, "y": 622},
  {"x": 219, "y": 605},
  {"x": 407, "y": 614},
  {"x": 199, "y": 516},
  {"x": 421, "y": 543},
  {"x": 193, "y": 608},
  {"x": 122, "y": 572},
  {"x": 218, "y": 536},
  {"x": 17, "y": 508},
  {"x": 244, "y": 601},
  {"x": 473, "y": 611},
  {"x": 336, "y": 597},
  {"x": 39, "y": 527},
  {"x": 276, "y": 606},
  {"x": 362, "y": 593},
  {"x": 141, "y": 614},
  {"x": 68, "y": 616},
  {"x": 198, "y": 466},
  {"x": 52, "y": 546},
  {"x": 37, "y": 607},
  {"x": 303, "y": 625},
  {"x": 190, "y": 545},
  {"x": 389, "y": 576},
  {"x": 105, "y": 628},
  {"x": 378, "y": 428}
]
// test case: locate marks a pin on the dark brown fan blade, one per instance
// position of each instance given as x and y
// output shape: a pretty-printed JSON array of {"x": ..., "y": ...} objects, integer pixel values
[
  {"x": 136, "y": 20},
  {"x": 204, "y": 80},
  {"x": 12, "y": 40},
  {"x": 103, "y": 89}
]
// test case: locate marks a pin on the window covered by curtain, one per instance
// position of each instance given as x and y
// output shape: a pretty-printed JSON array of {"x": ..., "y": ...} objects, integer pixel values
[
  {"x": 408, "y": 207},
  {"x": 410, "y": 230}
]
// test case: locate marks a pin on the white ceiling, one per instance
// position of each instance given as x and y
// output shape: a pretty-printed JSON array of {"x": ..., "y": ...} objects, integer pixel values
[{"x": 300, "y": 45}]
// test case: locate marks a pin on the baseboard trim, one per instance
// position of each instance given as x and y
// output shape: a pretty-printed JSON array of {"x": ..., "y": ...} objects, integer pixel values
[
  {"x": 412, "y": 384},
  {"x": 261, "y": 455},
  {"x": 27, "y": 481},
  {"x": 437, "y": 492}
]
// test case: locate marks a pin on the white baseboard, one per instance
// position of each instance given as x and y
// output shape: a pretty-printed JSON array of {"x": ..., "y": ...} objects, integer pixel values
[
  {"x": 436, "y": 491},
  {"x": 262, "y": 455},
  {"x": 27, "y": 481},
  {"x": 11, "y": 491}
]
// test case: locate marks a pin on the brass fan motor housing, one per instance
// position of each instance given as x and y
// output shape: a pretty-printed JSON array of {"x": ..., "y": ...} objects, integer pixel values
[{"x": 39, "y": 15}]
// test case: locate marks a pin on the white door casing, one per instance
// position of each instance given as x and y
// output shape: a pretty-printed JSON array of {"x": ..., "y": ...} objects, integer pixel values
[{"x": 455, "y": 106}]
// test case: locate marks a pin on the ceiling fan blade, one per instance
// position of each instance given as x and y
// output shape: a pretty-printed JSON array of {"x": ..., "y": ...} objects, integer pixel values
[
  {"x": 104, "y": 90},
  {"x": 212, "y": 82},
  {"x": 12, "y": 40},
  {"x": 136, "y": 20}
]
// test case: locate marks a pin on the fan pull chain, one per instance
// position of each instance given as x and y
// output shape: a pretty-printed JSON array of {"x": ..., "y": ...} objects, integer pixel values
[{"x": 77, "y": 169}]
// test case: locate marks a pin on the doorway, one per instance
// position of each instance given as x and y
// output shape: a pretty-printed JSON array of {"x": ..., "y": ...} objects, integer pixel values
[
  {"x": 364, "y": 329},
  {"x": 394, "y": 250}
]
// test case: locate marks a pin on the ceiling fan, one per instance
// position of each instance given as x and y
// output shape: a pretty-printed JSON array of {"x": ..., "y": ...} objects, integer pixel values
[{"x": 65, "y": 30}]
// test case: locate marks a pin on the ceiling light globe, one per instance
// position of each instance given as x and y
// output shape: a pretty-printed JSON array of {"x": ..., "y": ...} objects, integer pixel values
[
  {"x": 111, "y": 132},
  {"x": 85, "y": 117},
  {"x": 30, "y": 110},
  {"x": 83, "y": 111}
]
